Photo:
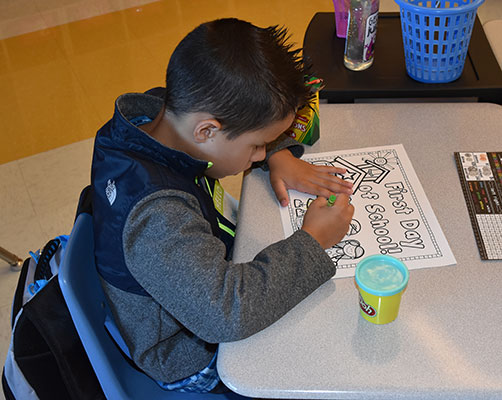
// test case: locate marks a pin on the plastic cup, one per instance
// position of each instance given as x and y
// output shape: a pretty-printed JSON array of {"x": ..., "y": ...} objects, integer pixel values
[
  {"x": 381, "y": 280},
  {"x": 341, "y": 17}
]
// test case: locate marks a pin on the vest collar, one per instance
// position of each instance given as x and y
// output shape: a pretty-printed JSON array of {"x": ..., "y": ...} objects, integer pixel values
[{"x": 129, "y": 137}]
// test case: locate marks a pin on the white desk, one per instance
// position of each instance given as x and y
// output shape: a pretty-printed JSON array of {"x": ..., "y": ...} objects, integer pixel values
[{"x": 447, "y": 340}]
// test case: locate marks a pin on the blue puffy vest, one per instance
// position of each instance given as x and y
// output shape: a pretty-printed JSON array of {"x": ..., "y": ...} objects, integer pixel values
[{"x": 127, "y": 166}]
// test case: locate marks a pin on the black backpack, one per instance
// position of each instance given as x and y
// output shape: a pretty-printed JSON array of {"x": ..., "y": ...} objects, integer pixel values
[{"x": 46, "y": 359}]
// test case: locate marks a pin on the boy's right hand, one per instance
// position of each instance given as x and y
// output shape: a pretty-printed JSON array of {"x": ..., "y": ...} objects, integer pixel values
[{"x": 328, "y": 225}]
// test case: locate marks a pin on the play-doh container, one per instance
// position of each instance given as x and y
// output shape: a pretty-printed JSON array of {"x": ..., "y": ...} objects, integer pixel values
[{"x": 381, "y": 280}]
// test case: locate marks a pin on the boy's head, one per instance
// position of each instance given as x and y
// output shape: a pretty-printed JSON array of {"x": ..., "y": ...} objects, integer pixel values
[{"x": 244, "y": 76}]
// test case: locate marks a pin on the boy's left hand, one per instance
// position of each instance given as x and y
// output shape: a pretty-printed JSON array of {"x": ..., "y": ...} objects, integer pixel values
[{"x": 289, "y": 172}]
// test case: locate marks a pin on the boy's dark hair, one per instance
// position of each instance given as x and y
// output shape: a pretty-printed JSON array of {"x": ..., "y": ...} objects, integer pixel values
[{"x": 245, "y": 76}]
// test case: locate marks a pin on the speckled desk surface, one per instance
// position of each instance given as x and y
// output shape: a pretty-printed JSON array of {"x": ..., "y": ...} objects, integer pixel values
[{"x": 447, "y": 340}]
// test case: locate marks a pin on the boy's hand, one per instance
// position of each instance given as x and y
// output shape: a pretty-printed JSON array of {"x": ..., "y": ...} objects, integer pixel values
[
  {"x": 328, "y": 225},
  {"x": 289, "y": 172}
]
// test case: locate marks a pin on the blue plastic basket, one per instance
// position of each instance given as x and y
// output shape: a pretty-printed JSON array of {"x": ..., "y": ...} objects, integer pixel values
[{"x": 436, "y": 37}]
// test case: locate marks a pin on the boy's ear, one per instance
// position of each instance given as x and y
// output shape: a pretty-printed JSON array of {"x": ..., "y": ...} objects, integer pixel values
[{"x": 206, "y": 129}]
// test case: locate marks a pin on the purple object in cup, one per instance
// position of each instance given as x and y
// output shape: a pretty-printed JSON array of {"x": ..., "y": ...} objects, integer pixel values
[{"x": 341, "y": 17}]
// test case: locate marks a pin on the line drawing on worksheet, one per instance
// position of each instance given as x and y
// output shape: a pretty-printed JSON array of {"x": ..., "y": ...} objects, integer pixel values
[{"x": 392, "y": 213}]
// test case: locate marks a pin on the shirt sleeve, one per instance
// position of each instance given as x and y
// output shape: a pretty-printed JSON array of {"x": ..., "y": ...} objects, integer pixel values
[
  {"x": 281, "y": 143},
  {"x": 170, "y": 250}
]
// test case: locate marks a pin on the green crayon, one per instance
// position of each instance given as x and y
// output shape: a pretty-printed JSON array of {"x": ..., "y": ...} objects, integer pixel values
[{"x": 331, "y": 200}]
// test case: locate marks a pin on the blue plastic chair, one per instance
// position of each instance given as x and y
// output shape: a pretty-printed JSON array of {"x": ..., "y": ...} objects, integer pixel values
[{"x": 86, "y": 301}]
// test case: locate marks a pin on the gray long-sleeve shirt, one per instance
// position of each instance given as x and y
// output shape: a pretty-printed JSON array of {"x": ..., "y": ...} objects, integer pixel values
[{"x": 196, "y": 294}]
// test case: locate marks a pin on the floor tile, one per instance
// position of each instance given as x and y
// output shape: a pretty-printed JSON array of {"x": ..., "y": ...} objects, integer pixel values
[
  {"x": 5, "y": 312},
  {"x": 45, "y": 5},
  {"x": 116, "y": 5},
  {"x": 59, "y": 220},
  {"x": 232, "y": 185},
  {"x": 55, "y": 178},
  {"x": 94, "y": 34},
  {"x": 14, "y": 129},
  {"x": 493, "y": 30},
  {"x": 160, "y": 47},
  {"x": 153, "y": 18},
  {"x": 123, "y": 68},
  {"x": 15, "y": 201},
  {"x": 46, "y": 187},
  {"x": 490, "y": 10},
  {"x": 20, "y": 26},
  {"x": 21, "y": 237},
  {"x": 10, "y": 9},
  {"x": 31, "y": 50},
  {"x": 68, "y": 13},
  {"x": 41, "y": 112}
]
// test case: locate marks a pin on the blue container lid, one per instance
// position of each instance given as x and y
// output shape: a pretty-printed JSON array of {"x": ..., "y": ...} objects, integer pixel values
[{"x": 381, "y": 275}]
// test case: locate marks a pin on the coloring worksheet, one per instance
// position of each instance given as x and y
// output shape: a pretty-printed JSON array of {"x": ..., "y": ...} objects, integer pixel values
[{"x": 392, "y": 214}]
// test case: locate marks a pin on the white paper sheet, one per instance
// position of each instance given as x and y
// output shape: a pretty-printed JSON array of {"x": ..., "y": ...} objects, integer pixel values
[{"x": 392, "y": 213}]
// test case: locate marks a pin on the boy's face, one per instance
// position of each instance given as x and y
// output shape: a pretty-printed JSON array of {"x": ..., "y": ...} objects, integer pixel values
[{"x": 230, "y": 157}]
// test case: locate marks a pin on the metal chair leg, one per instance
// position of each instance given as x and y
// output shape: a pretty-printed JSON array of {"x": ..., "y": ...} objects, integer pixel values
[{"x": 12, "y": 259}]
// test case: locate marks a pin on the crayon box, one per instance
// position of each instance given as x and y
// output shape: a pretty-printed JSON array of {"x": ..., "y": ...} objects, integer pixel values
[{"x": 305, "y": 127}]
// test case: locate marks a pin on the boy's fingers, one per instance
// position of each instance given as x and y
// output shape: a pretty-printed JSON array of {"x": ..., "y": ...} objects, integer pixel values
[
  {"x": 331, "y": 169},
  {"x": 319, "y": 191},
  {"x": 280, "y": 191},
  {"x": 343, "y": 197},
  {"x": 334, "y": 183},
  {"x": 327, "y": 190},
  {"x": 337, "y": 187},
  {"x": 345, "y": 183},
  {"x": 340, "y": 181},
  {"x": 320, "y": 201}
]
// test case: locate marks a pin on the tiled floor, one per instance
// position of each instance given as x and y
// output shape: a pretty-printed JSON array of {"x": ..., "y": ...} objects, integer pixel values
[
  {"x": 24, "y": 16},
  {"x": 62, "y": 64}
]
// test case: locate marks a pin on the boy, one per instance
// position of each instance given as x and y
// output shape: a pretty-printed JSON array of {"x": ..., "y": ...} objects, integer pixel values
[{"x": 162, "y": 249}]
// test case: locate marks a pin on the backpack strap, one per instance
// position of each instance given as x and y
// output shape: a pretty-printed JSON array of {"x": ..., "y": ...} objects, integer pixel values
[{"x": 43, "y": 270}]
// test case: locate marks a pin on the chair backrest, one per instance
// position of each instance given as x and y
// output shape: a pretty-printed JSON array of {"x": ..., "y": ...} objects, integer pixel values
[{"x": 88, "y": 307}]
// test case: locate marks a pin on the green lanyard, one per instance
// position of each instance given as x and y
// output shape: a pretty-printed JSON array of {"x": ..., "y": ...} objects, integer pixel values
[{"x": 218, "y": 194}]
